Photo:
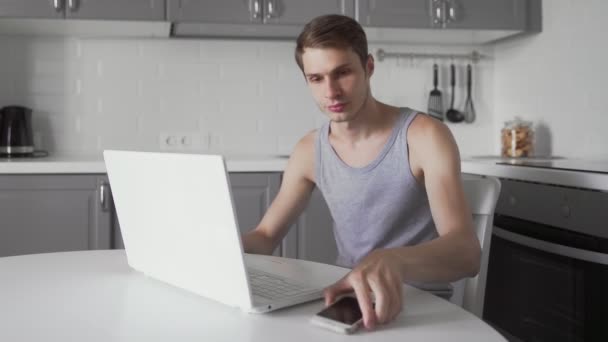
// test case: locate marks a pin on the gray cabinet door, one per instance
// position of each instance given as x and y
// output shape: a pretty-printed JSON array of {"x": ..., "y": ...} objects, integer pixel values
[
  {"x": 253, "y": 193},
  {"x": 395, "y": 13},
  {"x": 488, "y": 14},
  {"x": 116, "y": 9},
  {"x": 30, "y": 9},
  {"x": 298, "y": 12},
  {"x": 214, "y": 11},
  {"x": 315, "y": 234},
  {"x": 53, "y": 213}
]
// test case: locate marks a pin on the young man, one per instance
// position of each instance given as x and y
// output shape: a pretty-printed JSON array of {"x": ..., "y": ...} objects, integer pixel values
[{"x": 390, "y": 176}]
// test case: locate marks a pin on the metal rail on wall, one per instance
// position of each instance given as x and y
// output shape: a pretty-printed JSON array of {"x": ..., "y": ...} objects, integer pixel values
[{"x": 474, "y": 56}]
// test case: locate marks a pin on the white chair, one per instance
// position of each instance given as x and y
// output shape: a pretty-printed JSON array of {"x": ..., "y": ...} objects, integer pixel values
[{"x": 481, "y": 193}]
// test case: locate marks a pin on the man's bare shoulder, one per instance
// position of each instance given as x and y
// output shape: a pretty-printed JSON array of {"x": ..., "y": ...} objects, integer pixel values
[
  {"x": 425, "y": 130},
  {"x": 306, "y": 144},
  {"x": 302, "y": 158},
  {"x": 431, "y": 140}
]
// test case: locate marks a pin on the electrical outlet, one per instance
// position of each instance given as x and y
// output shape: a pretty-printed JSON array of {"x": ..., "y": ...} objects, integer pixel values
[
  {"x": 183, "y": 141},
  {"x": 168, "y": 142}
]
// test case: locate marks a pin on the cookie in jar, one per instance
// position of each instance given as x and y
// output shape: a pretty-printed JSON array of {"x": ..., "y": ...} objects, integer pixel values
[{"x": 517, "y": 139}]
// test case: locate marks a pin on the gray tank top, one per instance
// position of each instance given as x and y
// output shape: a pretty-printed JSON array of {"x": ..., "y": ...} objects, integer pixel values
[{"x": 380, "y": 205}]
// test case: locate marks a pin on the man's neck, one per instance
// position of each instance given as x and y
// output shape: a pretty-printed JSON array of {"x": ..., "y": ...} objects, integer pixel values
[{"x": 373, "y": 118}]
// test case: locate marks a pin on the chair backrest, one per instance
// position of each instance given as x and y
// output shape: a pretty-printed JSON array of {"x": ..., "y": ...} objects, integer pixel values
[{"x": 481, "y": 193}]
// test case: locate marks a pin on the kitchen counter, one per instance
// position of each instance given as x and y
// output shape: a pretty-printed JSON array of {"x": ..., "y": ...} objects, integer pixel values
[
  {"x": 93, "y": 164},
  {"x": 79, "y": 164},
  {"x": 579, "y": 179}
]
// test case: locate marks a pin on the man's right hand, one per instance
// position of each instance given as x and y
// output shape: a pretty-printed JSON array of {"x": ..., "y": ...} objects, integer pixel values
[{"x": 377, "y": 276}]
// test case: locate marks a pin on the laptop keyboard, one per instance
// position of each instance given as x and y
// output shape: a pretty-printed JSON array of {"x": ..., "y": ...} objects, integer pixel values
[{"x": 271, "y": 286}]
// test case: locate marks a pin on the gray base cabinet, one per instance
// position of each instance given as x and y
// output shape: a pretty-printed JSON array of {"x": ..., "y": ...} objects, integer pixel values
[
  {"x": 252, "y": 194},
  {"x": 54, "y": 213},
  {"x": 311, "y": 236},
  {"x": 314, "y": 231}
]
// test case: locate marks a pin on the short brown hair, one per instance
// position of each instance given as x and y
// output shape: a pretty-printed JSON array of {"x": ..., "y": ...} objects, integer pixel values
[{"x": 332, "y": 31}]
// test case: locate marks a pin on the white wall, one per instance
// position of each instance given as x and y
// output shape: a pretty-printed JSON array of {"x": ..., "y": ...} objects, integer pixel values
[
  {"x": 233, "y": 96},
  {"x": 559, "y": 79}
]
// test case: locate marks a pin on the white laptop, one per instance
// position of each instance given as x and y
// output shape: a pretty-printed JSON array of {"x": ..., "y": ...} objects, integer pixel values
[{"x": 178, "y": 224}]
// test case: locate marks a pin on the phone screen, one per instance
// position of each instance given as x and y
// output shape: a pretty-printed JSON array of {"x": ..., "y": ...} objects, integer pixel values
[{"x": 345, "y": 310}]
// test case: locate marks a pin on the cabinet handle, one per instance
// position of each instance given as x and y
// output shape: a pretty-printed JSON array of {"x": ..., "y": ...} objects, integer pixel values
[
  {"x": 257, "y": 10},
  {"x": 437, "y": 12},
  {"x": 271, "y": 9},
  {"x": 58, "y": 5},
  {"x": 73, "y": 5},
  {"x": 103, "y": 197},
  {"x": 451, "y": 10}
]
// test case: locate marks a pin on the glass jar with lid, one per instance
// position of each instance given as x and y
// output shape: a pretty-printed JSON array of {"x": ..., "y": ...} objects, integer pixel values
[{"x": 517, "y": 139}]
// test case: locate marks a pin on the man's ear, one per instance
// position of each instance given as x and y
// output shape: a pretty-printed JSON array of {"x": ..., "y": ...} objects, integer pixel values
[{"x": 370, "y": 65}]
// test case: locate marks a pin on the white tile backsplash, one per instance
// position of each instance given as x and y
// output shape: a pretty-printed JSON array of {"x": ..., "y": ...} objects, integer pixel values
[
  {"x": 557, "y": 79},
  {"x": 246, "y": 97}
]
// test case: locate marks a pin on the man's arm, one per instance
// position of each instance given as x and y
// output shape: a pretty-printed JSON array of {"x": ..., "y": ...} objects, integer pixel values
[
  {"x": 293, "y": 196},
  {"x": 456, "y": 253},
  {"x": 453, "y": 255}
]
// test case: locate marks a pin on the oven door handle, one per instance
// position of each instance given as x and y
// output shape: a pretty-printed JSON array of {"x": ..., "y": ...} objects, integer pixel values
[{"x": 553, "y": 248}]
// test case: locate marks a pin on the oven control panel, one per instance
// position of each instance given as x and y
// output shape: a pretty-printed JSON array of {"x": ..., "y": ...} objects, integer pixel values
[{"x": 580, "y": 210}]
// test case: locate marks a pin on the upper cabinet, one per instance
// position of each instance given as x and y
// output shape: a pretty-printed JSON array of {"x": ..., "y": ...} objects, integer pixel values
[
  {"x": 282, "y": 19},
  {"x": 84, "y": 9},
  {"x": 395, "y": 13},
  {"x": 297, "y": 12},
  {"x": 291, "y": 12},
  {"x": 486, "y": 14},
  {"x": 405, "y": 21},
  {"x": 213, "y": 11},
  {"x": 448, "y": 21},
  {"x": 445, "y": 14},
  {"x": 31, "y": 9},
  {"x": 115, "y": 9}
]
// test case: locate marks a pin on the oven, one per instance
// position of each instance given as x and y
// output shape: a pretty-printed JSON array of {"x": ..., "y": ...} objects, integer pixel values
[{"x": 548, "y": 266}]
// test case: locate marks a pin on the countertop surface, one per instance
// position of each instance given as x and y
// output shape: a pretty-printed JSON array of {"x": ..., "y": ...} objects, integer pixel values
[
  {"x": 498, "y": 167},
  {"x": 74, "y": 163},
  {"x": 509, "y": 168}
]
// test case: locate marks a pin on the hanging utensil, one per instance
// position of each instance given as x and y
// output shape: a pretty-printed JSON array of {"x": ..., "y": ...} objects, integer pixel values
[
  {"x": 435, "y": 107},
  {"x": 453, "y": 115},
  {"x": 469, "y": 109}
]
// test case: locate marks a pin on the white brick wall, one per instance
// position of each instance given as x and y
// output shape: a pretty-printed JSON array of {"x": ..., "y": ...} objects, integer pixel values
[
  {"x": 558, "y": 80},
  {"x": 236, "y": 96}
]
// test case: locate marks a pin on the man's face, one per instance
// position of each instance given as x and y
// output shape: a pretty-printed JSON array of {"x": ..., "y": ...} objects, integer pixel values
[{"x": 338, "y": 81}]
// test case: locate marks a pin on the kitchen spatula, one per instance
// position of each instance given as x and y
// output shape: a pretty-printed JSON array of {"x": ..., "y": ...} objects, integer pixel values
[{"x": 435, "y": 107}]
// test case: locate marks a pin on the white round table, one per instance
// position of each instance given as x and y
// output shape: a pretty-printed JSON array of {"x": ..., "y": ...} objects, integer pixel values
[{"x": 95, "y": 296}]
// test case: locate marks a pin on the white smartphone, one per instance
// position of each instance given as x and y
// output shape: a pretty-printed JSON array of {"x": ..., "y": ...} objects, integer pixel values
[{"x": 343, "y": 316}]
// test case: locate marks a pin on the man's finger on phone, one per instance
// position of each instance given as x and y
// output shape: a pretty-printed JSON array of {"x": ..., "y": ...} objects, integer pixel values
[
  {"x": 382, "y": 307},
  {"x": 362, "y": 291},
  {"x": 332, "y": 292},
  {"x": 397, "y": 303}
]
